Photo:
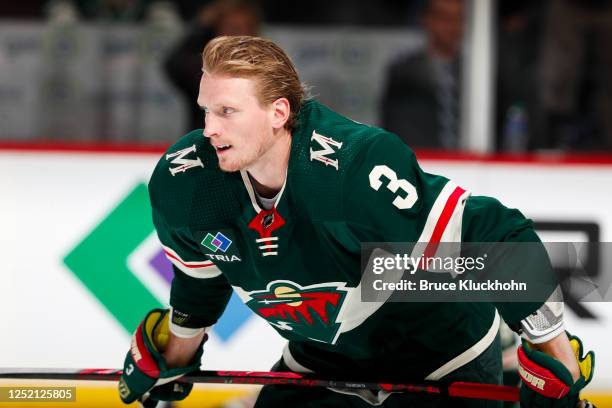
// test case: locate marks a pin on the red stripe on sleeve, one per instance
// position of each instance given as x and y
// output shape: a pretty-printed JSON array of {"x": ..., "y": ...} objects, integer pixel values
[
  {"x": 447, "y": 212},
  {"x": 194, "y": 265}
]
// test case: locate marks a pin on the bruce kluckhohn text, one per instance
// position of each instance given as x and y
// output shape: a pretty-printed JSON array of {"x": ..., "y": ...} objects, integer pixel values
[
  {"x": 456, "y": 265},
  {"x": 461, "y": 285}
]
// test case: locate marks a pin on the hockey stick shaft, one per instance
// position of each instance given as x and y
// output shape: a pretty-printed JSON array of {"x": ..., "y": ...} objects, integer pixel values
[{"x": 456, "y": 389}]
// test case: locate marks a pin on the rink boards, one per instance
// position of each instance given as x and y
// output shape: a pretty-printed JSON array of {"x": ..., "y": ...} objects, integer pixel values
[{"x": 66, "y": 213}]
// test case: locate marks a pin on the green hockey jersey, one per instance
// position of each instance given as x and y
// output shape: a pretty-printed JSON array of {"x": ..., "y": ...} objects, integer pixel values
[{"x": 297, "y": 265}]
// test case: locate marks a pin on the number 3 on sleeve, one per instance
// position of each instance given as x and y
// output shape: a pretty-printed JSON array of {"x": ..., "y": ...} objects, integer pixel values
[{"x": 403, "y": 203}]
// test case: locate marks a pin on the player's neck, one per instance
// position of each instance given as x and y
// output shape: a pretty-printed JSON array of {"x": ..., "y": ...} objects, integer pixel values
[{"x": 269, "y": 172}]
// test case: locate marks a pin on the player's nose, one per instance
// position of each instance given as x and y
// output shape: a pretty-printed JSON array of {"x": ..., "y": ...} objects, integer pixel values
[{"x": 211, "y": 127}]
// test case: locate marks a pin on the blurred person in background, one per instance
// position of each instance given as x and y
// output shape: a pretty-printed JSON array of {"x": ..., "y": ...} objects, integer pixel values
[
  {"x": 380, "y": 13},
  {"x": 113, "y": 10},
  {"x": 24, "y": 9},
  {"x": 576, "y": 78},
  {"x": 519, "y": 39},
  {"x": 183, "y": 65},
  {"x": 421, "y": 97}
]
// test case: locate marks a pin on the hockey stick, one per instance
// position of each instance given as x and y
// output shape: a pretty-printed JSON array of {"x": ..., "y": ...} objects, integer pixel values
[{"x": 455, "y": 389}]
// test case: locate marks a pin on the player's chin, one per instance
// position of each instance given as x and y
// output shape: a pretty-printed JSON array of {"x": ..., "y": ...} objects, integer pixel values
[{"x": 229, "y": 165}]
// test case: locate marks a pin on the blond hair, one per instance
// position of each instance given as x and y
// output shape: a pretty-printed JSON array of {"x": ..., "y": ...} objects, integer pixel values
[{"x": 259, "y": 59}]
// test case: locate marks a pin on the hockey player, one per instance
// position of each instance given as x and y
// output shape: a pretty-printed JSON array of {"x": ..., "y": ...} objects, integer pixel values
[{"x": 273, "y": 200}]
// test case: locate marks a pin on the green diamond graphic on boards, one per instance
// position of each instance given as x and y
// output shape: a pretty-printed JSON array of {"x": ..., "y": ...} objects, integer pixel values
[{"x": 99, "y": 260}]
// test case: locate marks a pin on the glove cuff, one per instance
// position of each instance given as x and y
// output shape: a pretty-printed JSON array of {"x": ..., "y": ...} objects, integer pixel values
[
  {"x": 145, "y": 366},
  {"x": 144, "y": 353},
  {"x": 139, "y": 382},
  {"x": 541, "y": 378}
]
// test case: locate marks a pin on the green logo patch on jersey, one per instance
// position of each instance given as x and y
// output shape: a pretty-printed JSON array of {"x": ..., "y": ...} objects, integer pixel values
[
  {"x": 299, "y": 312},
  {"x": 218, "y": 245}
]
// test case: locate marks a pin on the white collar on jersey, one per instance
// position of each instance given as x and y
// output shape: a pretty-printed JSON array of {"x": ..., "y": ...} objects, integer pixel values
[{"x": 256, "y": 198}]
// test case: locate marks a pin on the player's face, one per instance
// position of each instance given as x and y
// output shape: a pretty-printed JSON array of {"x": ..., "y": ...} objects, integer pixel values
[{"x": 236, "y": 124}]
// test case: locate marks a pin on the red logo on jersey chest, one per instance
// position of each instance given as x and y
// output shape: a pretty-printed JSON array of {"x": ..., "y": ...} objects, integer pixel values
[
  {"x": 301, "y": 311},
  {"x": 266, "y": 222},
  {"x": 288, "y": 305}
]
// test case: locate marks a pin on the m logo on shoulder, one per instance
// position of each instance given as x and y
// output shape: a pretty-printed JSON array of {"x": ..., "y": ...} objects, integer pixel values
[
  {"x": 321, "y": 155},
  {"x": 184, "y": 164}
]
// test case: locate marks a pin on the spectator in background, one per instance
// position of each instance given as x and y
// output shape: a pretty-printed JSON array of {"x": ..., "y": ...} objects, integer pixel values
[
  {"x": 183, "y": 65},
  {"x": 577, "y": 75},
  {"x": 421, "y": 99},
  {"x": 113, "y": 10},
  {"x": 518, "y": 111},
  {"x": 22, "y": 10}
]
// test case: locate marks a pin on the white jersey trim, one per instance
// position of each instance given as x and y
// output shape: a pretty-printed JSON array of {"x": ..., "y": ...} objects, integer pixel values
[
  {"x": 436, "y": 211},
  {"x": 469, "y": 354},
  {"x": 195, "y": 269},
  {"x": 251, "y": 191},
  {"x": 452, "y": 233},
  {"x": 443, "y": 203},
  {"x": 457, "y": 362},
  {"x": 354, "y": 312}
]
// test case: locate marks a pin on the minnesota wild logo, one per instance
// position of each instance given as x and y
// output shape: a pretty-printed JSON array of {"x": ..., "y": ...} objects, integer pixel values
[{"x": 308, "y": 311}]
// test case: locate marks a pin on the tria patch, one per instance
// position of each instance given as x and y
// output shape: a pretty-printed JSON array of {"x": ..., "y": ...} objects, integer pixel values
[
  {"x": 216, "y": 242},
  {"x": 305, "y": 311},
  {"x": 218, "y": 245},
  {"x": 224, "y": 258}
]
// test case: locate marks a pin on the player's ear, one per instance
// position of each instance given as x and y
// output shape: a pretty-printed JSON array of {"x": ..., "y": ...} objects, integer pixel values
[{"x": 280, "y": 112}]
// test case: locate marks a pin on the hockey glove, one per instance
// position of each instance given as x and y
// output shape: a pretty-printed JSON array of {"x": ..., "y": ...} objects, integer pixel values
[
  {"x": 145, "y": 370},
  {"x": 547, "y": 383}
]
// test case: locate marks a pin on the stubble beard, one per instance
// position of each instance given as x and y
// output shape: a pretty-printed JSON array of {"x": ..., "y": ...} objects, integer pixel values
[{"x": 241, "y": 163}]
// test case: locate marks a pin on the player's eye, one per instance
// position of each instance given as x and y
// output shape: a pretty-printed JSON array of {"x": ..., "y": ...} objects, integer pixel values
[{"x": 227, "y": 111}]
